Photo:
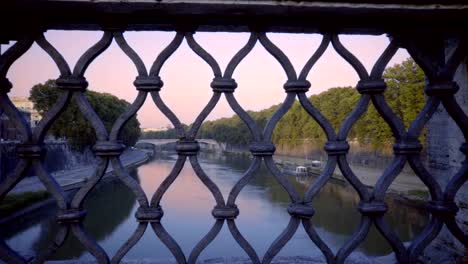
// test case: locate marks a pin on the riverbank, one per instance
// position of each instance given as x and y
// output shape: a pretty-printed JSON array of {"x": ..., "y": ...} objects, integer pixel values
[
  {"x": 71, "y": 180},
  {"x": 407, "y": 187},
  {"x": 405, "y": 181},
  {"x": 407, "y": 184}
]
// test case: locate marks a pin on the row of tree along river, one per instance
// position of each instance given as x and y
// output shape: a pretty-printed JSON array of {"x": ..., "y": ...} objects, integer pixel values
[{"x": 297, "y": 134}]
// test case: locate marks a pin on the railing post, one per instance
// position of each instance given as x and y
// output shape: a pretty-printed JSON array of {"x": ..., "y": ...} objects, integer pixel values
[
  {"x": 444, "y": 139},
  {"x": 443, "y": 60},
  {"x": 461, "y": 77}
]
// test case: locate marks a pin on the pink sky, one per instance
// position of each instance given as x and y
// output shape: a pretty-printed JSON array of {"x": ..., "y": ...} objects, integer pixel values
[{"x": 187, "y": 77}]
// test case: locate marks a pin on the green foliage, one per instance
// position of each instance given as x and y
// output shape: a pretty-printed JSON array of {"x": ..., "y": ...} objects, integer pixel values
[
  {"x": 73, "y": 126},
  {"x": 404, "y": 95},
  {"x": 405, "y": 89},
  {"x": 422, "y": 194},
  {"x": 164, "y": 134},
  {"x": 335, "y": 104},
  {"x": 233, "y": 130}
]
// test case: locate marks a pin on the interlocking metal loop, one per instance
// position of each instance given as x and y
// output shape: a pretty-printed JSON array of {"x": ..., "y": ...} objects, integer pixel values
[
  {"x": 440, "y": 90},
  {"x": 372, "y": 206}
]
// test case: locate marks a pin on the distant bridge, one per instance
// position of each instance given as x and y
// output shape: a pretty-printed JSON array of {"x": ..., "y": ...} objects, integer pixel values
[{"x": 205, "y": 144}]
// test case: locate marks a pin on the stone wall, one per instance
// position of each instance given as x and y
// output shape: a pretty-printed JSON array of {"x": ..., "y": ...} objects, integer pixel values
[
  {"x": 455, "y": 155},
  {"x": 445, "y": 158},
  {"x": 59, "y": 156}
]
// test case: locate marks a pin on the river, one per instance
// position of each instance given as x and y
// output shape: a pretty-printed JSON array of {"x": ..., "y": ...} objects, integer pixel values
[{"x": 187, "y": 215}]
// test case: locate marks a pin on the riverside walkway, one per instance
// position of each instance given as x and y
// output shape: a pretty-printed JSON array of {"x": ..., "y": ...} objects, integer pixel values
[
  {"x": 404, "y": 183},
  {"x": 71, "y": 179}
]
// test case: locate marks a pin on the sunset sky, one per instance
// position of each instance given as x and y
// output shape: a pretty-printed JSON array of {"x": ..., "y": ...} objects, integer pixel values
[{"x": 187, "y": 77}]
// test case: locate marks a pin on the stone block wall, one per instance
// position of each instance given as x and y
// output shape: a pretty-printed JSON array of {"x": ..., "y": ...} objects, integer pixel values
[{"x": 444, "y": 157}]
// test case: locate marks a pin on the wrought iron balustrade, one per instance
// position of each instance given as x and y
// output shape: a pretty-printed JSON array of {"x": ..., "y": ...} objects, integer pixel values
[{"x": 425, "y": 40}]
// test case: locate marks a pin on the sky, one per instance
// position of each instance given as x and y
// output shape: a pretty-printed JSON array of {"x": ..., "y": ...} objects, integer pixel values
[{"x": 187, "y": 77}]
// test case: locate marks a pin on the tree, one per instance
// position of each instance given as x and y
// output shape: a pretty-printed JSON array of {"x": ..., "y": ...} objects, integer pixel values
[
  {"x": 405, "y": 89},
  {"x": 169, "y": 133},
  {"x": 72, "y": 125},
  {"x": 404, "y": 94}
]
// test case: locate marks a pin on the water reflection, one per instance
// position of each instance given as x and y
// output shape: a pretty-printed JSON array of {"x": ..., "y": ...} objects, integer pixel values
[
  {"x": 188, "y": 204},
  {"x": 105, "y": 213}
]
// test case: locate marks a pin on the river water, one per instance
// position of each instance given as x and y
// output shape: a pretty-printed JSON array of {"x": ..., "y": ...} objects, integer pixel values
[{"x": 187, "y": 215}]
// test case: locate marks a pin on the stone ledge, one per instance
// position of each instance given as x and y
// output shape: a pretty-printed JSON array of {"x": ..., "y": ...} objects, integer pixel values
[
  {"x": 348, "y": 16},
  {"x": 355, "y": 258}
]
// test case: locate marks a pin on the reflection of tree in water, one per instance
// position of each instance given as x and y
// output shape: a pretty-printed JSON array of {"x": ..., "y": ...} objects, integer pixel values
[
  {"x": 12, "y": 228},
  {"x": 336, "y": 211},
  {"x": 336, "y": 206},
  {"x": 239, "y": 162},
  {"x": 106, "y": 211}
]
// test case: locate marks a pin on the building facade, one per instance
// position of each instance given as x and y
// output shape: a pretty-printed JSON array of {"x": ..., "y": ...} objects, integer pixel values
[
  {"x": 8, "y": 130},
  {"x": 24, "y": 104}
]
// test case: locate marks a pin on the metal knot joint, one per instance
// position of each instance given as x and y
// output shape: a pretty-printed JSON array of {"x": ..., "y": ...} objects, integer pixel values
[
  {"x": 187, "y": 147},
  {"x": 149, "y": 214},
  {"x": 30, "y": 151},
  {"x": 335, "y": 148},
  {"x": 5, "y": 85},
  {"x": 262, "y": 149},
  {"x": 71, "y": 215},
  {"x": 441, "y": 88},
  {"x": 372, "y": 208},
  {"x": 73, "y": 83},
  {"x": 108, "y": 148},
  {"x": 223, "y": 85},
  {"x": 225, "y": 212},
  {"x": 442, "y": 208},
  {"x": 148, "y": 83},
  {"x": 301, "y": 210},
  {"x": 296, "y": 86},
  {"x": 371, "y": 86},
  {"x": 411, "y": 147}
]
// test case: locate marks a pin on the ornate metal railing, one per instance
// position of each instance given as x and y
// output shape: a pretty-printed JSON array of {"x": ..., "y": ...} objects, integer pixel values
[{"x": 428, "y": 51}]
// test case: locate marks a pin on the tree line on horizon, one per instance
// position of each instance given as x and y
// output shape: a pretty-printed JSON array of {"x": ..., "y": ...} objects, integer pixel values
[
  {"x": 73, "y": 126},
  {"x": 404, "y": 94}
]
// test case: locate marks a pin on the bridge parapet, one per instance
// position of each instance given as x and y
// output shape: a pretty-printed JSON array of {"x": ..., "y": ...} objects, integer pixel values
[
  {"x": 170, "y": 144},
  {"x": 424, "y": 28}
]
